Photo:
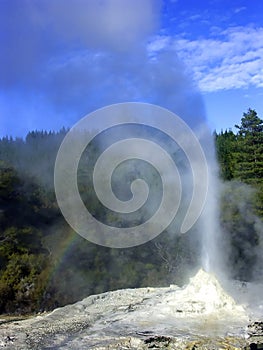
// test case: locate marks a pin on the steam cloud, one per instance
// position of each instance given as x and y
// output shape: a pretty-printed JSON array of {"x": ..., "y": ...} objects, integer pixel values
[
  {"x": 72, "y": 57},
  {"x": 45, "y": 30},
  {"x": 77, "y": 56}
]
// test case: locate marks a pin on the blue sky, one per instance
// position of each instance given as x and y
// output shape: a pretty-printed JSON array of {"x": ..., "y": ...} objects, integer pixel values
[{"x": 61, "y": 59}]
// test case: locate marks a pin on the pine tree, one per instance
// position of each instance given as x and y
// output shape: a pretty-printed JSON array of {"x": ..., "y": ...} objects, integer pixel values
[
  {"x": 225, "y": 146},
  {"x": 249, "y": 152},
  {"x": 249, "y": 155}
]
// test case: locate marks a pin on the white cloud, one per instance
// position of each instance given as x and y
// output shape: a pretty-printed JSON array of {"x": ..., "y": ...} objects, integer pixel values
[
  {"x": 159, "y": 43},
  {"x": 231, "y": 59},
  {"x": 240, "y": 9}
]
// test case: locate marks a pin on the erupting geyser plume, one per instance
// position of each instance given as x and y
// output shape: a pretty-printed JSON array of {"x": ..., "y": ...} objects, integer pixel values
[
  {"x": 149, "y": 73},
  {"x": 211, "y": 255}
]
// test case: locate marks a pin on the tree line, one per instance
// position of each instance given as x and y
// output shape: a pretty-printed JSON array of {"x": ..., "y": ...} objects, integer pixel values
[
  {"x": 240, "y": 157},
  {"x": 45, "y": 264}
]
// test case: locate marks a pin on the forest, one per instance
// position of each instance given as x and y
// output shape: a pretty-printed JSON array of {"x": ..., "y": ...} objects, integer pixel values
[{"x": 45, "y": 264}]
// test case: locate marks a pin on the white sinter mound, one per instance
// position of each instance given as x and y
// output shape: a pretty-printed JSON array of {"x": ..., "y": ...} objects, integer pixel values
[
  {"x": 204, "y": 294},
  {"x": 200, "y": 311},
  {"x": 202, "y": 302}
]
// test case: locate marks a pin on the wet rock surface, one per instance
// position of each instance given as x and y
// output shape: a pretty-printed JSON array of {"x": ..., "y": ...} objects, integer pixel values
[
  {"x": 255, "y": 333},
  {"x": 199, "y": 316}
]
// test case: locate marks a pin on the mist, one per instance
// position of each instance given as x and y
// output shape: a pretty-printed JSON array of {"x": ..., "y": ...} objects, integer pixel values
[
  {"x": 99, "y": 53},
  {"x": 242, "y": 236}
]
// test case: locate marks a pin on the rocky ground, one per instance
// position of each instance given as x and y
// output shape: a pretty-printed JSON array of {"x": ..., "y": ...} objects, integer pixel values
[{"x": 199, "y": 316}]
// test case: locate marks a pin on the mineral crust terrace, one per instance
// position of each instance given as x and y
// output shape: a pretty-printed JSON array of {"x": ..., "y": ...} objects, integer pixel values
[{"x": 199, "y": 315}]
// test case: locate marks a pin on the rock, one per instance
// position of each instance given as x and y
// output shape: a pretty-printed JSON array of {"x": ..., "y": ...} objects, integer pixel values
[
  {"x": 255, "y": 333},
  {"x": 255, "y": 329}
]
